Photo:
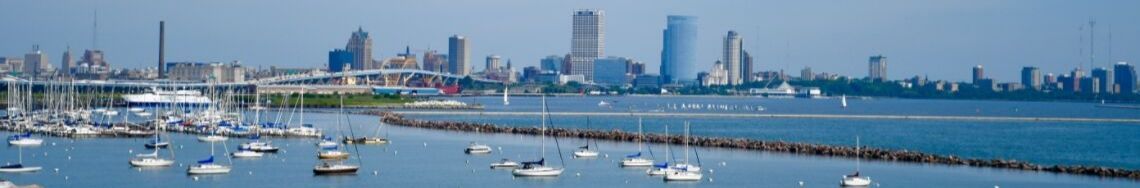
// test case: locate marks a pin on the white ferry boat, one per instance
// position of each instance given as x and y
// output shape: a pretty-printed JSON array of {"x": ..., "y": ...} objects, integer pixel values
[{"x": 161, "y": 97}]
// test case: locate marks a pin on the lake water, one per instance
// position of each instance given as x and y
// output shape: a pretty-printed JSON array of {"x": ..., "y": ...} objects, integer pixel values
[{"x": 431, "y": 158}]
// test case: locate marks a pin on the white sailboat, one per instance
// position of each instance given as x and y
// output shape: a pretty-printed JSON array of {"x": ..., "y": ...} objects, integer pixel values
[
  {"x": 685, "y": 170},
  {"x": 635, "y": 160},
  {"x": 504, "y": 164},
  {"x": 663, "y": 168},
  {"x": 506, "y": 95},
  {"x": 152, "y": 159},
  {"x": 208, "y": 166},
  {"x": 19, "y": 166},
  {"x": 25, "y": 139},
  {"x": 539, "y": 168},
  {"x": 856, "y": 180},
  {"x": 843, "y": 101},
  {"x": 584, "y": 151}
]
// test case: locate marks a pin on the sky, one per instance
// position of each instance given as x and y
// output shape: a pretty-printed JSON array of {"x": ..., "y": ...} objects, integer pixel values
[{"x": 942, "y": 40}]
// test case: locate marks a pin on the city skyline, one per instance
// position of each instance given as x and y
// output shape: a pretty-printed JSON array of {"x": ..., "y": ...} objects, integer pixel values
[{"x": 1056, "y": 45}]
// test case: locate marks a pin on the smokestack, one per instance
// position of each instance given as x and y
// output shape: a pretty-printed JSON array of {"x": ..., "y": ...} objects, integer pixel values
[{"x": 161, "y": 49}]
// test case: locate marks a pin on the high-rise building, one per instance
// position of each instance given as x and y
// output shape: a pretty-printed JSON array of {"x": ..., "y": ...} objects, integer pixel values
[
  {"x": 551, "y": 63},
  {"x": 715, "y": 76},
  {"x": 435, "y": 62},
  {"x": 35, "y": 62},
  {"x": 806, "y": 74},
  {"x": 636, "y": 68},
  {"x": 587, "y": 42},
  {"x": 877, "y": 68},
  {"x": 612, "y": 71},
  {"x": 458, "y": 55},
  {"x": 732, "y": 57},
  {"x": 1031, "y": 78},
  {"x": 340, "y": 60},
  {"x": 66, "y": 63},
  {"x": 979, "y": 74},
  {"x": 1090, "y": 85},
  {"x": 1104, "y": 80},
  {"x": 1125, "y": 77},
  {"x": 679, "y": 51},
  {"x": 746, "y": 66},
  {"x": 1073, "y": 81},
  {"x": 492, "y": 64},
  {"x": 360, "y": 44}
]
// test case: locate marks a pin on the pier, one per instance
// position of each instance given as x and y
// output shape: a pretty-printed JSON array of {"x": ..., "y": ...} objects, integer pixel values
[{"x": 809, "y": 116}]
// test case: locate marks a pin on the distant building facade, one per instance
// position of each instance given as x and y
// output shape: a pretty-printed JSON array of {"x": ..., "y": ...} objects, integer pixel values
[
  {"x": 732, "y": 58},
  {"x": 587, "y": 41},
  {"x": 435, "y": 62},
  {"x": 204, "y": 72},
  {"x": 458, "y": 55},
  {"x": 678, "y": 53},
  {"x": 551, "y": 63},
  {"x": 979, "y": 73},
  {"x": 612, "y": 71},
  {"x": 1125, "y": 77},
  {"x": 1031, "y": 78},
  {"x": 360, "y": 45},
  {"x": 339, "y": 60},
  {"x": 877, "y": 68},
  {"x": 1104, "y": 80}
]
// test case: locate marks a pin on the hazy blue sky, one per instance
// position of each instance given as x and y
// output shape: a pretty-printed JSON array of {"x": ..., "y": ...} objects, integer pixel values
[{"x": 942, "y": 39}]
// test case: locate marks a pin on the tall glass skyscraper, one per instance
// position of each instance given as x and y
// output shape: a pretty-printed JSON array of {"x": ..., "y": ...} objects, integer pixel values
[
  {"x": 679, "y": 52},
  {"x": 360, "y": 45},
  {"x": 458, "y": 55}
]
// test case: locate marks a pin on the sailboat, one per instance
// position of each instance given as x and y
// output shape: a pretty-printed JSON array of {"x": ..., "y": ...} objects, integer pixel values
[
  {"x": 336, "y": 166},
  {"x": 685, "y": 171},
  {"x": 207, "y": 166},
  {"x": 585, "y": 151},
  {"x": 539, "y": 168},
  {"x": 376, "y": 139},
  {"x": 843, "y": 101},
  {"x": 327, "y": 141},
  {"x": 506, "y": 95},
  {"x": 635, "y": 160},
  {"x": 25, "y": 139},
  {"x": 856, "y": 180},
  {"x": 504, "y": 164},
  {"x": 256, "y": 145},
  {"x": 663, "y": 168},
  {"x": 19, "y": 166},
  {"x": 305, "y": 130},
  {"x": 152, "y": 159}
]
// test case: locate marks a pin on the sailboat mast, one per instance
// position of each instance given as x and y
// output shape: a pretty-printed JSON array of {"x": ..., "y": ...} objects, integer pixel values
[
  {"x": 302, "y": 106},
  {"x": 543, "y": 129},
  {"x": 858, "y": 154},
  {"x": 686, "y": 141}
]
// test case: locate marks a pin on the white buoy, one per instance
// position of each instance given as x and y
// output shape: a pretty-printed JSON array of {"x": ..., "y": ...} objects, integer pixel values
[
  {"x": 138, "y": 169},
  {"x": 710, "y": 171},
  {"x": 375, "y": 172},
  {"x": 130, "y": 151},
  {"x": 425, "y": 144},
  {"x": 45, "y": 154},
  {"x": 710, "y": 179},
  {"x": 195, "y": 178},
  {"x": 801, "y": 183},
  {"x": 250, "y": 172},
  {"x": 578, "y": 174},
  {"x": 53, "y": 144},
  {"x": 57, "y": 170},
  {"x": 722, "y": 163},
  {"x": 68, "y": 157},
  {"x": 395, "y": 152},
  {"x": 607, "y": 155},
  {"x": 66, "y": 177}
]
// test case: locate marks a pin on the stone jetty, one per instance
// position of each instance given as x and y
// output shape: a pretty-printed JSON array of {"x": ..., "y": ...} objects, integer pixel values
[{"x": 771, "y": 146}]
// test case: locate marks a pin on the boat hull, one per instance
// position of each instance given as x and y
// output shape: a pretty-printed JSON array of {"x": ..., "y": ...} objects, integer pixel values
[
  {"x": 335, "y": 171},
  {"x": 683, "y": 176},
  {"x": 22, "y": 169},
  {"x": 146, "y": 163},
  {"x": 26, "y": 142},
  {"x": 636, "y": 162},
  {"x": 213, "y": 170},
  {"x": 538, "y": 172}
]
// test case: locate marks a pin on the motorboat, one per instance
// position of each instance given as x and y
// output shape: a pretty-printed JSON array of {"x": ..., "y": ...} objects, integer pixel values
[
  {"x": 24, "y": 140},
  {"x": 537, "y": 168},
  {"x": 212, "y": 138},
  {"x": 505, "y": 163},
  {"x": 477, "y": 148}
]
